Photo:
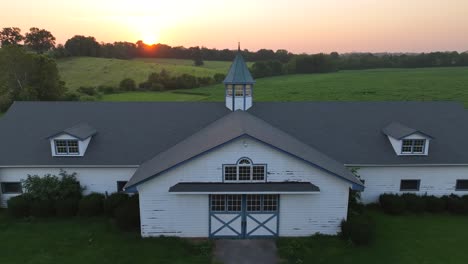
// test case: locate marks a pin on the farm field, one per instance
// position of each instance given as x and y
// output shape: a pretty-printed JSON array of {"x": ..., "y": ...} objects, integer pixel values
[
  {"x": 89, "y": 71},
  {"x": 424, "y": 84},
  {"x": 406, "y": 239}
]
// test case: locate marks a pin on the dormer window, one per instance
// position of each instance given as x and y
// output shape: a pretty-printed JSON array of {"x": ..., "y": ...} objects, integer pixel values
[
  {"x": 413, "y": 146},
  {"x": 67, "y": 147},
  {"x": 244, "y": 171},
  {"x": 407, "y": 141},
  {"x": 72, "y": 141}
]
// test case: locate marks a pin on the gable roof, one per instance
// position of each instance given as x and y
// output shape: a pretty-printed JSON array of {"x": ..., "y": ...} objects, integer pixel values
[
  {"x": 233, "y": 126},
  {"x": 81, "y": 131},
  {"x": 238, "y": 72},
  {"x": 399, "y": 131}
]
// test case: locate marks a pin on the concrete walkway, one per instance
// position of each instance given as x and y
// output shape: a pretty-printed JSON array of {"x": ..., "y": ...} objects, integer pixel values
[{"x": 246, "y": 251}]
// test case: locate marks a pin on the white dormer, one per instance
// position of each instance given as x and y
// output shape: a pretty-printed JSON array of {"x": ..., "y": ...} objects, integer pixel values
[
  {"x": 71, "y": 142},
  {"x": 407, "y": 141}
]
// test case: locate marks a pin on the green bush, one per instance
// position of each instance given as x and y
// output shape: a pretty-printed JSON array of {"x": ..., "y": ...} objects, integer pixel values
[
  {"x": 91, "y": 205},
  {"x": 219, "y": 77},
  {"x": 392, "y": 204},
  {"x": 66, "y": 207},
  {"x": 114, "y": 201},
  {"x": 19, "y": 206},
  {"x": 71, "y": 96},
  {"x": 360, "y": 229},
  {"x": 435, "y": 204},
  {"x": 91, "y": 91},
  {"x": 106, "y": 89},
  {"x": 127, "y": 84},
  {"x": 42, "y": 208},
  {"x": 127, "y": 216},
  {"x": 88, "y": 98},
  {"x": 414, "y": 203},
  {"x": 456, "y": 204}
]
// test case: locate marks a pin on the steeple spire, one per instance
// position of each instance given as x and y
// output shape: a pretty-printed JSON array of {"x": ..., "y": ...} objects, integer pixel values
[{"x": 238, "y": 46}]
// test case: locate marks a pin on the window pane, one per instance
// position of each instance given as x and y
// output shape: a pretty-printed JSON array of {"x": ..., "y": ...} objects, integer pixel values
[
  {"x": 239, "y": 90},
  {"x": 258, "y": 173},
  {"x": 248, "y": 90},
  {"x": 270, "y": 203},
  {"x": 230, "y": 173},
  {"x": 254, "y": 203},
  {"x": 244, "y": 173},
  {"x": 218, "y": 203},
  {"x": 409, "y": 185},
  {"x": 229, "y": 89},
  {"x": 12, "y": 187},
  {"x": 234, "y": 203},
  {"x": 244, "y": 161},
  {"x": 418, "y": 145},
  {"x": 461, "y": 185}
]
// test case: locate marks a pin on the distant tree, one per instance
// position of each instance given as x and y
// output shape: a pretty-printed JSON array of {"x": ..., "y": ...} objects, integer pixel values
[
  {"x": 82, "y": 46},
  {"x": 39, "y": 40},
  {"x": 197, "y": 56},
  {"x": 28, "y": 76},
  {"x": 10, "y": 36},
  {"x": 59, "y": 52}
]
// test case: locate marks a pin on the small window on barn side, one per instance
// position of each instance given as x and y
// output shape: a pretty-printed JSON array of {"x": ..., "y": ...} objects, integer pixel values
[
  {"x": 461, "y": 185},
  {"x": 11, "y": 187},
  {"x": 409, "y": 185}
]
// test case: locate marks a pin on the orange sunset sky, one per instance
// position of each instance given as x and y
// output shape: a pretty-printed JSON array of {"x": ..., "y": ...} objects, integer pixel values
[{"x": 296, "y": 25}]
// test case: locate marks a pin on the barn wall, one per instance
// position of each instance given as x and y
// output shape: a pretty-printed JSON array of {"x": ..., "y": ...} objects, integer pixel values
[
  {"x": 435, "y": 180},
  {"x": 93, "y": 179},
  {"x": 164, "y": 213}
]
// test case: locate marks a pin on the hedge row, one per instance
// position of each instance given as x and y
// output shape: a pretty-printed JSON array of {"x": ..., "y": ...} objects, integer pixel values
[
  {"x": 359, "y": 229},
  {"x": 122, "y": 207},
  {"x": 399, "y": 204}
]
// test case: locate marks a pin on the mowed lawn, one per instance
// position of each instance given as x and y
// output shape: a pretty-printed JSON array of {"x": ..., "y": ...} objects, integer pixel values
[
  {"x": 425, "y": 84},
  {"x": 89, "y": 71},
  {"x": 408, "y": 239},
  {"x": 92, "y": 240}
]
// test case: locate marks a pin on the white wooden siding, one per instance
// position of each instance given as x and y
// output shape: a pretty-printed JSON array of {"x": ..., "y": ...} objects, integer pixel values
[
  {"x": 164, "y": 213},
  {"x": 93, "y": 179},
  {"x": 435, "y": 180}
]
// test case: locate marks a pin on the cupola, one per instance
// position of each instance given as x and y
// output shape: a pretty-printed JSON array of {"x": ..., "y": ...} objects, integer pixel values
[{"x": 239, "y": 85}]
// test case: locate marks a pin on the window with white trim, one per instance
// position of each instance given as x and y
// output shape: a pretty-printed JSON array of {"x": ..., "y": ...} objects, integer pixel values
[
  {"x": 461, "y": 185},
  {"x": 66, "y": 147},
  {"x": 409, "y": 185},
  {"x": 11, "y": 187},
  {"x": 413, "y": 146},
  {"x": 244, "y": 171}
]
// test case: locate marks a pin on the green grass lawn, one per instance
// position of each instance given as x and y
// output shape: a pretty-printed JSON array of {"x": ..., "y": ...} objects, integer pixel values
[
  {"x": 400, "y": 239},
  {"x": 93, "y": 240},
  {"x": 89, "y": 71},
  {"x": 442, "y": 84}
]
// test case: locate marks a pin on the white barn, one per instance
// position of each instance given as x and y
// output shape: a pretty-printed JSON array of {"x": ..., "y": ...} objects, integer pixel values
[{"x": 240, "y": 168}]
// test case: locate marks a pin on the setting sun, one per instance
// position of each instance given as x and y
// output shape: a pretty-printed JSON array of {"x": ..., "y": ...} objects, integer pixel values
[{"x": 150, "y": 38}]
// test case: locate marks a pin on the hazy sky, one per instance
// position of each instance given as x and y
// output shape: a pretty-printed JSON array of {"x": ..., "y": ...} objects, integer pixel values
[{"x": 297, "y": 25}]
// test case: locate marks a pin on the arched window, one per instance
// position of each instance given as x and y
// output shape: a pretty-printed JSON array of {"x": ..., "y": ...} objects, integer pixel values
[{"x": 244, "y": 171}]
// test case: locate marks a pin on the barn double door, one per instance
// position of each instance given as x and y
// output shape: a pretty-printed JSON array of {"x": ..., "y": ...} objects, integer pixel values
[{"x": 243, "y": 215}]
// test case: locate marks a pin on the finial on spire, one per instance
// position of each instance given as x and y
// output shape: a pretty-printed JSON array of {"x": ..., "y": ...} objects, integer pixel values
[{"x": 238, "y": 46}]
